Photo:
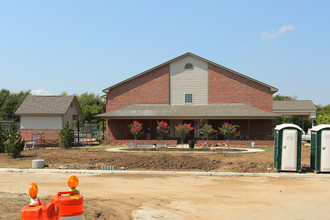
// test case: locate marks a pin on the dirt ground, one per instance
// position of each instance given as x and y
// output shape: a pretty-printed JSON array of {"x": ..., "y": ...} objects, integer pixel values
[
  {"x": 95, "y": 157},
  {"x": 144, "y": 197}
]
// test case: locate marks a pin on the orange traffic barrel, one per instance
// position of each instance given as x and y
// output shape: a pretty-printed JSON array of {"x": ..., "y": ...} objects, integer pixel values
[
  {"x": 40, "y": 212},
  {"x": 70, "y": 205}
]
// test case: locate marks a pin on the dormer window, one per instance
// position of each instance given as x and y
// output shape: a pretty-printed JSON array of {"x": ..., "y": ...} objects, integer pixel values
[
  {"x": 188, "y": 98},
  {"x": 189, "y": 66}
]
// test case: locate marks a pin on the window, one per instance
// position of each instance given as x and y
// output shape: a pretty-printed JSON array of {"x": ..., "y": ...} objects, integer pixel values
[
  {"x": 188, "y": 98},
  {"x": 189, "y": 66}
]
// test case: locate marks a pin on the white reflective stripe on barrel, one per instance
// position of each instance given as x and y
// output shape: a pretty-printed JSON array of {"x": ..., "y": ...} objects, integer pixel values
[{"x": 77, "y": 217}]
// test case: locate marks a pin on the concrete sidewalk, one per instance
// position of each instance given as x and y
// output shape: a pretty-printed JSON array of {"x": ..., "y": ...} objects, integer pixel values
[{"x": 283, "y": 174}]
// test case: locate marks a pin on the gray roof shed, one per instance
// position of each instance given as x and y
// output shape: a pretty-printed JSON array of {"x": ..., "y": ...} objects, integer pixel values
[{"x": 47, "y": 105}]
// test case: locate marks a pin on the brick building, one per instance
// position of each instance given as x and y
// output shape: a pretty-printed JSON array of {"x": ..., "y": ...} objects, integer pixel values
[
  {"x": 43, "y": 117},
  {"x": 184, "y": 90}
]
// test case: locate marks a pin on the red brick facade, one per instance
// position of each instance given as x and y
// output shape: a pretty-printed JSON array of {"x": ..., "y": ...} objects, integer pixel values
[
  {"x": 223, "y": 87},
  {"x": 50, "y": 137},
  {"x": 227, "y": 87},
  {"x": 150, "y": 88}
]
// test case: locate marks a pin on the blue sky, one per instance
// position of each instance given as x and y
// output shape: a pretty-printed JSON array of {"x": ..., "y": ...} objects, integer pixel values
[{"x": 85, "y": 46}]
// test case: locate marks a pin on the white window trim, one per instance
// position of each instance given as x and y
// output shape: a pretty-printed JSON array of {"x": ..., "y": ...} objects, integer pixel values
[{"x": 192, "y": 99}]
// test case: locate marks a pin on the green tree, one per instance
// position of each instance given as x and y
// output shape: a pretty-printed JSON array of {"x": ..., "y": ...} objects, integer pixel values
[
  {"x": 322, "y": 114},
  {"x": 64, "y": 93},
  {"x": 229, "y": 131},
  {"x": 14, "y": 143},
  {"x": 206, "y": 131},
  {"x": 91, "y": 105},
  {"x": 183, "y": 130},
  {"x": 284, "y": 98},
  {"x": 66, "y": 137},
  {"x": 10, "y": 103},
  {"x": 2, "y": 140}
]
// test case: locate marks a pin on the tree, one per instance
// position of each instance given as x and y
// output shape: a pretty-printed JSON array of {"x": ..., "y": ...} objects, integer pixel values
[
  {"x": 284, "y": 98},
  {"x": 322, "y": 114},
  {"x": 162, "y": 129},
  {"x": 91, "y": 105},
  {"x": 66, "y": 137},
  {"x": 229, "y": 131},
  {"x": 9, "y": 103},
  {"x": 183, "y": 130},
  {"x": 136, "y": 129},
  {"x": 14, "y": 143},
  {"x": 206, "y": 131},
  {"x": 64, "y": 93},
  {"x": 2, "y": 140}
]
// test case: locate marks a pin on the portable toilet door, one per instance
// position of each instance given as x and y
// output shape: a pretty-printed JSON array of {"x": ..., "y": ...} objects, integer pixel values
[
  {"x": 287, "y": 149},
  {"x": 320, "y": 148}
]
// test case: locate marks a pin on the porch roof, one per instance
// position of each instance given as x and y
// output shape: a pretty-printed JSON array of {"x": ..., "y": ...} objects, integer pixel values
[
  {"x": 211, "y": 111},
  {"x": 297, "y": 107}
]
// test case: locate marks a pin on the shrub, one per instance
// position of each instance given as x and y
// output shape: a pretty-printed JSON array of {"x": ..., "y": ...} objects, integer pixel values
[
  {"x": 183, "y": 130},
  {"x": 162, "y": 129},
  {"x": 66, "y": 137},
  {"x": 206, "y": 131},
  {"x": 14, "y": 143},
  {"x": 136, "y": 129},
  {"x": 229, "y": 131}
]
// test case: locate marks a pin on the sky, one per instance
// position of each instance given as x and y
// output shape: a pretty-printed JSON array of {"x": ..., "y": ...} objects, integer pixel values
[{"x": 50, "y": 47}]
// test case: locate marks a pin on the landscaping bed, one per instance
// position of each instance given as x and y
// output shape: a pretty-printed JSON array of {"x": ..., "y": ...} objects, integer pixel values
[{"x": 206, "y": 149}]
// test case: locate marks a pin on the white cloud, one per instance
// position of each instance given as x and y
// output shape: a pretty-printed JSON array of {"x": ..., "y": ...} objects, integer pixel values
[
  {"x": 40, "y": 92},
  {"x": 276, "y": 32}
]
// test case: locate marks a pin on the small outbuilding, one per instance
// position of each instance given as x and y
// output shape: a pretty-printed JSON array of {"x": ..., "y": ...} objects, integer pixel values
[{"x": 43, "y": 117}]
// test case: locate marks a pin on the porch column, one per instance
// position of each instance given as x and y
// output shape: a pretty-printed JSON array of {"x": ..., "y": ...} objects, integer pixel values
[
  {"x": 126, "y": 130},
  {"x": 78, "y": 129},
  {"x": 249, "y": 133},
  {"x": 103, "y": 128}
]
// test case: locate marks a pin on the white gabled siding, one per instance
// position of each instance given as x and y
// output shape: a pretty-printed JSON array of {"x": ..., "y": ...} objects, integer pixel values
[
  {"x": 189, "y": 81},
  {"x": 68, "y": 117},
  {"x": 41, "y": 122}
]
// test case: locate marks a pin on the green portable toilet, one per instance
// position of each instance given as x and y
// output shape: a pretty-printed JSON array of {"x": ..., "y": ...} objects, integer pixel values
[
  {"x": 287, "y": 149},
  {"x": 320, "y": 148}
]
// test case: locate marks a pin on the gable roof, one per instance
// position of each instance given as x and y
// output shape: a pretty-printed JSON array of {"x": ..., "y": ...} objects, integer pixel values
[
  {"x": 197, "y": 57},
  {"x": 223, "y": 110},
  {"x": 47, "y": 105}
]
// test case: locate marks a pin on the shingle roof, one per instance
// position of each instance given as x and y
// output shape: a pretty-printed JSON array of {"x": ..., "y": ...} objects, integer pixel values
[
  {"x": 294, "y": 105},
  {"x": 197, "y": 57},
  {"x": 45, "y": 105},
  {"x": 224, "y": 110}
]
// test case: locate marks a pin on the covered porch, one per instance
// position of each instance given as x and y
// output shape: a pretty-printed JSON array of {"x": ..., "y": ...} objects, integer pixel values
[
  {"x": 254, "y": 124},
  {"x": 250, "y": 129}
]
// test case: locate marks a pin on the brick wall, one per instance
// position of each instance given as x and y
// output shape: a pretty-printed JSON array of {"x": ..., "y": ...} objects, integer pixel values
[
  {"x": 226, "y": 87},
  {"x": 150, "y": 88},
  {"x": 50, "y": 137}
]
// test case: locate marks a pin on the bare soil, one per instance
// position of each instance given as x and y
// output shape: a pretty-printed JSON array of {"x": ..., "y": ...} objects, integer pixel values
[
  {"x": 144, "y": 197},
  {"x": 95, "y": 157}
]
